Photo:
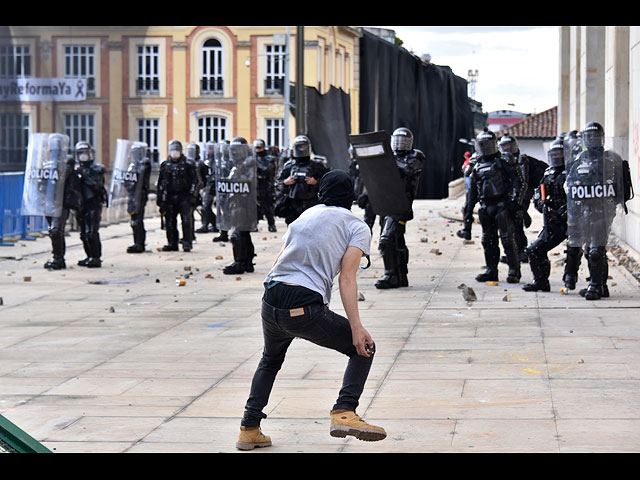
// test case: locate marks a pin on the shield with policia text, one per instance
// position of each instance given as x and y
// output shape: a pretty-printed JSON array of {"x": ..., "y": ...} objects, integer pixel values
[
  {"x": 236, "y": 199},
  {"x": 128, "y": 177},
  {"x": 379, "y": 173},
  {"x": 594, "y": 188},
  {"x": 45, "y": 174}
]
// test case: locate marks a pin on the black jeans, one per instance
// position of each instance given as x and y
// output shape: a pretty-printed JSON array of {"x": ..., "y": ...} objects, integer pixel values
[{"x": 317, "y": 324}]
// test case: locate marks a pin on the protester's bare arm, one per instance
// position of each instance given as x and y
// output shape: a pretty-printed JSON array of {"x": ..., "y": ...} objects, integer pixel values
[{"x": 349, "y": 295}]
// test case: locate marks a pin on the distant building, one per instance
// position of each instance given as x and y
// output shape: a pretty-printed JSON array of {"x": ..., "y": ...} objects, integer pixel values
[
  {"x": 534, "y": 133},
  {"x": 501, "y": 119}
]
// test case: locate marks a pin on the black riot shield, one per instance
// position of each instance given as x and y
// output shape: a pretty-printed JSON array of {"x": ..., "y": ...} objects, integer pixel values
[
  {"x": 236, "y": 185},
  {"x": 45, "y": 174},
  {"x": 128, "y": 178},
  {"x": 379, "y": 173},
  {"x": 595, "y": 195}
]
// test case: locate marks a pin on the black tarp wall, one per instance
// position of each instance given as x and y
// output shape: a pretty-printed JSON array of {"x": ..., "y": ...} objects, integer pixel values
[{"x": 428, "y": 99}]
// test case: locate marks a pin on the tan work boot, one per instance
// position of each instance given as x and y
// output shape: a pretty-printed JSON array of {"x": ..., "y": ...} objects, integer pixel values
[
  {"x": 252, "y": 438},
  {"x": 345, "y": 422}
]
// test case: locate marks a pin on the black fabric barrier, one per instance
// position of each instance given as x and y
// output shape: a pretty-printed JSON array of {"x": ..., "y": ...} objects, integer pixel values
[
  {"x": 328, "y": 125},
  {"x": 428, "y": 99}
]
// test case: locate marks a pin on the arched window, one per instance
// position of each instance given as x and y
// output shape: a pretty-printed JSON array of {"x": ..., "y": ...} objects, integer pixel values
[{"x": 211, "y": 68}]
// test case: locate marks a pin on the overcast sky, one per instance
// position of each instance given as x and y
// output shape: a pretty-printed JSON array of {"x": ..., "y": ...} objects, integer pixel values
[{"x": 517, "y": 66}]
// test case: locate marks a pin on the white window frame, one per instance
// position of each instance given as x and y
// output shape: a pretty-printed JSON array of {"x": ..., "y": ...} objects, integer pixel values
[
  {"x": 15, "y": 60},
  {"x": 212, "y": 67},
  {"x": 274, "y": 63},
  {"x": 274, "y": 131},
  {"x": 160, "y": 43},
  {"x": 148, "y": 131},
  {"x": 212, "y": 128},
  {"x": 15, "y": 128},
  {"x": 86, "y": 131},
  {"x": 87, "y": 55}
]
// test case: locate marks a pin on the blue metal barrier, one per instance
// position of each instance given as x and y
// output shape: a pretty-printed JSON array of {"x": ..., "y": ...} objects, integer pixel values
[{"x": 12, "y": 223}]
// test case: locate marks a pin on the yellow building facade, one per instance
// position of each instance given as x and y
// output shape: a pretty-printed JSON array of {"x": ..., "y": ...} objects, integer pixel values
[{"x": 158, "y": 83}]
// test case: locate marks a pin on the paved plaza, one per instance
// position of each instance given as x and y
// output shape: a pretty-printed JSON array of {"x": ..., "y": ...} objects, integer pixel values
[{"x": 125, "y": 359}]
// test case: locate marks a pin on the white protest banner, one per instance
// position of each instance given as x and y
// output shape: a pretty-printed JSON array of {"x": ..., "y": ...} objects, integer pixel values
[{"x": 28, "y": 89}]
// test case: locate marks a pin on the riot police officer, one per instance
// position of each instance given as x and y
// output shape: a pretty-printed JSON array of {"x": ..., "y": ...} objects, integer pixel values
[
  {"x": 550, "y": 199},
  {"x": 138, "y": 188},
  {"x": 392, "y": 245},
  {"x": 177, "y": 184},
  {"x": 299, "y": 180},
  {"x": 595, "y": 188},
  {"x": 494, "y": 186},
  {"x": 267, "y": 165},
  {"x": 208, "y": 191},
  {"x": 238, "y": 204},
  {"x": 529, "y": 171},
  {"x": 94, "y": 195},
  {"x": 71, "y": 198}
]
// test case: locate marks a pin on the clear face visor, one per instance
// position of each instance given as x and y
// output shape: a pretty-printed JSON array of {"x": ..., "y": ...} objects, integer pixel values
[
  {"x": 301, "y": 150},
  {"x": 486, "y": 147},
  {"x": 175, "y": 154},
  {"x": 507, "y": 146},
  {"x": 593, "y": 139},
  {"x": 556, "y": 157},
  {"x": 401, "y": 143}
]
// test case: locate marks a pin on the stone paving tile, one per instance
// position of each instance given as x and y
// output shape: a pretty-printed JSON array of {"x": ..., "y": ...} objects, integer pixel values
[{"x": 122, "y": 359}]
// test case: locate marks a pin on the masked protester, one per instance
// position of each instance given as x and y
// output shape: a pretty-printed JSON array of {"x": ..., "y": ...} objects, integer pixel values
[{"x": 325, "y": 240}]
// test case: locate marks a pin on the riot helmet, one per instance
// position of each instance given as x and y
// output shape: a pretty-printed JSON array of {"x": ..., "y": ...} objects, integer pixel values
[
  {"x": 301, "y": 147},
  {"x": 486, "y": 143},
  {"x": 209, "y": 148},
  {"x": 556, "y": 154},
  {"x": 193, "y": 152},
  {"x": 508, "y": 144},
  {"x": 84, "y": 152},
  {"x": 57, "y": 142},
  {"x": 401, "y": 140},
  {"x": 175, "y": 149},
  {"x": 238, "y": 141},
  {"x": 259, "y": 144},
  {"x": 139, "y": 152},
  {"x": 593, "y": 135}
]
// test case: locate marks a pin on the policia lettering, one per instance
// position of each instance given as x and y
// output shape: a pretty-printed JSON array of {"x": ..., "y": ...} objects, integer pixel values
[
  {"x": 392, "y": 245},
  {"x": 579, "y": 192}
]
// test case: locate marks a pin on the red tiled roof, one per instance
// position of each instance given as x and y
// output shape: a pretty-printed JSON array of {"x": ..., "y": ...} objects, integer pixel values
[{"x": 539, "y": 125}]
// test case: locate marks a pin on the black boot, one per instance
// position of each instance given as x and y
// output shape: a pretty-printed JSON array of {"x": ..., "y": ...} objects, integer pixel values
[
  {"x": 537, "y": 286},
  {"x": 223, "y": 237},
  {"x": 55, "y": 264}
]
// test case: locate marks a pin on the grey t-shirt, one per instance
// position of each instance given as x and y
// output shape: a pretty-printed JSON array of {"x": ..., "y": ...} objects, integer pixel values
[{"x": 314, "y": 246}]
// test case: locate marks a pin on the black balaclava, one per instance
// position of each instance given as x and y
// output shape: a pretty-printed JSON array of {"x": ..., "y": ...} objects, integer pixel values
[{"x": 336, "y": 189}]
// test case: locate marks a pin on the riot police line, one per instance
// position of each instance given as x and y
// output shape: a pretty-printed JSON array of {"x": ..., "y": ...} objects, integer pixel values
[
  {"x": 579, "y": 191},
  {"x": 247, "y": 183}
]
